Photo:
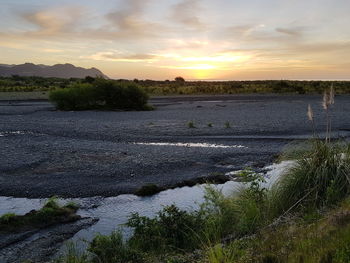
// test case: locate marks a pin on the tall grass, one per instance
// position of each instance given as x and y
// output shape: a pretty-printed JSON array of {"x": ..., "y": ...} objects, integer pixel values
[{"x": 320, "y": 177}]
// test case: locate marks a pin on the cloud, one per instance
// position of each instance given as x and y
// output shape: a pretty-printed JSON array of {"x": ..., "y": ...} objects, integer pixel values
[
  {"x": 53, "y": 22},
  {"x": 187, "y": 44},
  {"x": 128, "y": 21},
  {"x": 52, "y": 50},
  {"x": 122, "y": 57},
  {"x": 186, "y": 13},
  {"x": 125, "y": 22},
  {"x": 239, "y": 31},
  {"x": 296, "y": 32}
]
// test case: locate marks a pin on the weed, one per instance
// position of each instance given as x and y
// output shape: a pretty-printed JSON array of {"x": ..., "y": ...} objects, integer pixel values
[
  {"x": 227, "y": 124},
  {"x": 210, "y": 125}
]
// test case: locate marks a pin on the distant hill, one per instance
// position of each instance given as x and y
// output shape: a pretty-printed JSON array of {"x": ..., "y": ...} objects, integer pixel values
[{"x": 58, "y": 71}]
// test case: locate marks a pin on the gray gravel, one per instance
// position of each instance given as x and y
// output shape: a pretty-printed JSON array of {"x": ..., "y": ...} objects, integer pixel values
[
  {"x": 41, "y": 245},
  {"x": 80, "y": 154}
]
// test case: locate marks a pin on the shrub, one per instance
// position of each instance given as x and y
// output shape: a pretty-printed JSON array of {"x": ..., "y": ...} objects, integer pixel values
[
  {"x": 76, "y": 97},
  {"x": 101, "y": 94},
  {"x": 171, "y": 229}
]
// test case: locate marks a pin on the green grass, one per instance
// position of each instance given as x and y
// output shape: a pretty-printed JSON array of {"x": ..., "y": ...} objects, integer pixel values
[{"x": 325, "y": 239}]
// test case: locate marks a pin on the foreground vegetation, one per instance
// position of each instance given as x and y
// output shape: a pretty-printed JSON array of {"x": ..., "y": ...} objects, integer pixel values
[{"x": 180, "y": 86}]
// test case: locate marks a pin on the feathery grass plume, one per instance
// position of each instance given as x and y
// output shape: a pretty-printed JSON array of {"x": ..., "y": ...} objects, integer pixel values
[
  {"x": 331, "y": 95},
  {"x": 326, "y": 100},
  {"x": 310, "y": 113}
]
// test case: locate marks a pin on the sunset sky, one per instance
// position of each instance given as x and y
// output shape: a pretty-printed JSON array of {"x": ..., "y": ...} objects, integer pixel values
[{"x": 197, "y": 39}]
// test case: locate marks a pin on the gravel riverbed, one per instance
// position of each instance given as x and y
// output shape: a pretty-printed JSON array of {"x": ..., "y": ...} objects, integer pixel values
[{"x": 45, "y": 152}]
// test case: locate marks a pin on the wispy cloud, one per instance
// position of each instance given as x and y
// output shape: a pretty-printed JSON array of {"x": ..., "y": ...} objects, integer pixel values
[
  {"x": 122, "y": 57},
  {"x": 187, "y": 13},
  {"x": 53, "y": 22},
  {"x": 296, "y": 32}
]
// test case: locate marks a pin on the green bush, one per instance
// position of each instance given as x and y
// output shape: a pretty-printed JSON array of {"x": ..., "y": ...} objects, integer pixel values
[
  {"x": 101, "y": 94},
  {"x": 77, "y": 97},
  {"x": 171, "y": 229}
]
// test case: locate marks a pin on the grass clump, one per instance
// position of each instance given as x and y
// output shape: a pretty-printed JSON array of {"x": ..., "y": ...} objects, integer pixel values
[
  {"x": 191, "y": 125},
  {"x": 73, "y": 255},
  {"x": 101, "y": 94},
  {"x": 320, "y": 177},
  {"x": 6, "y": 218},
  {"x": 227, "y": 125},
  {"x": 113, "y": 249},
  {"x": 50, "y": 213}
]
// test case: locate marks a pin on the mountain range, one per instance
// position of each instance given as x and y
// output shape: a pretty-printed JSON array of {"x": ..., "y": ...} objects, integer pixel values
[{"x": 58, "y": 71}]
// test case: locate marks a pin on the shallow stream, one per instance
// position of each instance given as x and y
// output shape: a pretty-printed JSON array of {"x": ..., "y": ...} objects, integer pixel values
[{"x": 113, "y": 212}]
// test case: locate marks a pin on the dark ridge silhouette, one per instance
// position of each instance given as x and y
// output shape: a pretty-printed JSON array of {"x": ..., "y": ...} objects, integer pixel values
[{"x": 57, "y": 71}]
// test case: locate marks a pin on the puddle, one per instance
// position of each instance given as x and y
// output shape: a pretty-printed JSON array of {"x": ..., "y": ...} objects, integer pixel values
[
  {"x": 190, "y": 145},
  {"x": 8, "y": 133},
  {"x": 3, "y": 134},
  {"x": 113, "y": 212}
]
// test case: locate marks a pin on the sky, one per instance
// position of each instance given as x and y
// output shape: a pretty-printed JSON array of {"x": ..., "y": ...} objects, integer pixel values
[{"x": 195, "y": 39}]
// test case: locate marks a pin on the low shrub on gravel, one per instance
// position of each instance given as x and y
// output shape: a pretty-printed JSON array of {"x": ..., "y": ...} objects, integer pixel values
[{"x": 101, "y": 94}]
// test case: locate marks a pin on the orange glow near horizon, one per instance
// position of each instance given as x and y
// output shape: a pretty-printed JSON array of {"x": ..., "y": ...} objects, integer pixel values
[{"x": 196, "y": 39}]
